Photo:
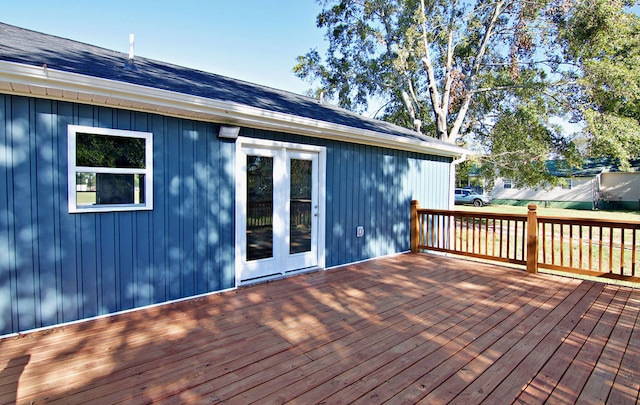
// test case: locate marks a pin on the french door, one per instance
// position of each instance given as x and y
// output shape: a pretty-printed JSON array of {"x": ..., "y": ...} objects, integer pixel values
[{"x": 279, "y": 208}]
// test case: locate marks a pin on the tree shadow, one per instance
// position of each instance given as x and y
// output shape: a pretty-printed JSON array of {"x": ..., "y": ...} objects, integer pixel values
[
  {"x": 10, "y": 378},
  {"x": 201, "y": 350},
  {"x": 301, "y": 337}
]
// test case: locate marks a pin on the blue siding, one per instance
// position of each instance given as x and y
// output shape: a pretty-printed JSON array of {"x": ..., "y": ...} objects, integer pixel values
[
  {"x": 372, "y": 187},
  {"x": 57, "y": 267}
]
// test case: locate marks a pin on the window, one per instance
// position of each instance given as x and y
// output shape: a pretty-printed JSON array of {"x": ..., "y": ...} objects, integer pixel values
[
  {"x": 109, "y": 170},
  {"x": 507, "y": 183}
]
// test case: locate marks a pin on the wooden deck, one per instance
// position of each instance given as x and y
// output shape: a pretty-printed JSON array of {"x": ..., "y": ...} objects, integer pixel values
[{"x": 407, "y": 329}]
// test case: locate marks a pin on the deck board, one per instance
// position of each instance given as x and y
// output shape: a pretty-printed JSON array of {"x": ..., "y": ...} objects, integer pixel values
[
  {"x": 538, "y": 390},
  {"x": 571, "y": 385},
  {"x": 405, "y": 329},
  {"x": 484, "y": 344},
  {"x": 627, "y": 383},
  {"x": 537, "y": 348},
  {"x": 479, "y": 348},
  {"x": 601, "y": 380}
]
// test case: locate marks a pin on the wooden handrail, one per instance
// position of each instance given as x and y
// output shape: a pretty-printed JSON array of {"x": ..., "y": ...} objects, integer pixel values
[
  {"x": 475, "y": 214},
  {"x": 579, "y": 245}
]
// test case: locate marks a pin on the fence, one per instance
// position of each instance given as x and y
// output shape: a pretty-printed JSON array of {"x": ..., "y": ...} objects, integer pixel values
[{"x": 576, "y": 245}]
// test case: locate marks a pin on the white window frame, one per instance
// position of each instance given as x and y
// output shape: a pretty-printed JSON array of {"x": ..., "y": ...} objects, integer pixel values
[
  {"x": 73, "y": 169},
  {"x": 568, "y": 184}
]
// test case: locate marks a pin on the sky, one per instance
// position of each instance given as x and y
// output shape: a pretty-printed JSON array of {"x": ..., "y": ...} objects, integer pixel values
[{"x": 253, "y": 40}]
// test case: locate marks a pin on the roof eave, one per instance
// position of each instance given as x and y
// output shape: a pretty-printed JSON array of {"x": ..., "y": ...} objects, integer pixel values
[{"x": 42, "y": 82}]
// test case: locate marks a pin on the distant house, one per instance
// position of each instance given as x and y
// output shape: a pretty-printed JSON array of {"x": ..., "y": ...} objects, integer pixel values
[
  {"x": 598, "y": 184},
  {"x": 129, "y": 182}
]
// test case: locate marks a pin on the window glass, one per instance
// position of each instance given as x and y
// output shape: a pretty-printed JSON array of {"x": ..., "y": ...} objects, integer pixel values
[
  {"x": 109, "y": 151},
  {"x": 106, "y": 188},
  {"x": 259, "y": 207},
  {"x": 300, "y": 186},
  {"x": 109, "y": 170}
]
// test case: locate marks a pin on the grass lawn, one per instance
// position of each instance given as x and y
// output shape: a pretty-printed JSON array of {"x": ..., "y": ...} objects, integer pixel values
[
  {"x": 86, "y": 197},
  {"x": 627, "y": 216},
  {"x": 556, "y": 212}
]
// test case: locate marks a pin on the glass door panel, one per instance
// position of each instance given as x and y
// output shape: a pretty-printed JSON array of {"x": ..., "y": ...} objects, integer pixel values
[
  {"x": 259, "y": 207},
  {"x": 300, "y": 206},
  {"x": 278, "y": 211}
]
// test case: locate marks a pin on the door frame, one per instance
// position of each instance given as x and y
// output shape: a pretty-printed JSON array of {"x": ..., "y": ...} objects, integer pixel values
[
  {"x": 241, "y": 202},
  {"x": 296, "y": 261}
]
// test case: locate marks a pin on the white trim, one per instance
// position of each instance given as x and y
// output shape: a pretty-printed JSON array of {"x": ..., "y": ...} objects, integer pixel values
[
  {"x": 112, "y": 314},
  {"x": 175, "y": 301},
  {"x": 48, "y": 83},
  {"x": 272, "y": 148},
  {"x": 301, "y": 260},
  {"x": 72, "y": 169},
  {"x": 281, "y": 276},
  {"x": 368, "y": 260}
]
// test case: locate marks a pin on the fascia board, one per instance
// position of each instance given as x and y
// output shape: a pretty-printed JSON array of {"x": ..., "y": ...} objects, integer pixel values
[{"x": 147, "y": 99}]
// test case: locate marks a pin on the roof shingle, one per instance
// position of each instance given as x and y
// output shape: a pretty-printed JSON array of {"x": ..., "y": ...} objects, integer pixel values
[{"x": 32, "y": 48}]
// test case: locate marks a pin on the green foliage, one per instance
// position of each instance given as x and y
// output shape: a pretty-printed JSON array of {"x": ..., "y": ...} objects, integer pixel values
[
  {"x": 521, "y": 142},
  {"x": 613, "y": 135},
  {"x": 604, "y": 41},
  {"x": 489, "y": 75},
  {"x": 358, "y": 63}
]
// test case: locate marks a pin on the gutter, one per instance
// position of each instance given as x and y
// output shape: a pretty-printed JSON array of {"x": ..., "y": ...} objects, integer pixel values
[
  {"x": 459, "y": 160},
  {"x": 42, "y": 82},
  {"x": 452, "y": 179}
]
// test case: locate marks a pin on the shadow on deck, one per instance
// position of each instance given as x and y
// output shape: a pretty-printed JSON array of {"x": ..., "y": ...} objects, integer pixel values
[{"x": 409, "y": 328}]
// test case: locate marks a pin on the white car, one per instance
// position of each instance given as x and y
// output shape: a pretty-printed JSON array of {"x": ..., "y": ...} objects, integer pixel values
[{"x": 464, "y": 196}]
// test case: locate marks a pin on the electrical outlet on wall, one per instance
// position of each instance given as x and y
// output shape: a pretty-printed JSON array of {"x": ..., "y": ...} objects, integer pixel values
[{"x": 360, "y": 232}]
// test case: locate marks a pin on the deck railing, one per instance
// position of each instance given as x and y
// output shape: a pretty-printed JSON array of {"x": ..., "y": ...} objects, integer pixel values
[
  {"x": 585, "y": 246},
  {"x": 260, "y": 213}
]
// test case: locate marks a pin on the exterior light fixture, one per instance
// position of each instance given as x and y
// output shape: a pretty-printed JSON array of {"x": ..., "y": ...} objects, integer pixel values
[{"x": 228, "y": 132}]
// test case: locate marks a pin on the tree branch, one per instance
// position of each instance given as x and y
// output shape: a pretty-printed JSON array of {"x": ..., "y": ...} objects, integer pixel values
[
  {"x": 446, "y": 93},
  {"x": 431, "y": 79},
  {"x": 455, "y": 130}
]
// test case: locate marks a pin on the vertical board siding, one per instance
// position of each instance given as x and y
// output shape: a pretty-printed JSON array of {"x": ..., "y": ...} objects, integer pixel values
[
  {"x": 58, "y": 267},
  {"x": 372, "y": 187}
]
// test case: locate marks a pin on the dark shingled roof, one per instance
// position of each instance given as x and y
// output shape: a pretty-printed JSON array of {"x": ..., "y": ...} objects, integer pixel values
[
  {"x": 37, "y": 49},
  {"x": 590, "y": 167}
]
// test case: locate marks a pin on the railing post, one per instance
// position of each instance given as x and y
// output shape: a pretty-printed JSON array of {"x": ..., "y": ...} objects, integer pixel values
[
  {"x": 532, "y": 239},
  {"x": 415, "y": 230}
]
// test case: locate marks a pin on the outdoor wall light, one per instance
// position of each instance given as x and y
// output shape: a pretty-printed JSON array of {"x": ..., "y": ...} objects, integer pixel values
[{"x": 228, "y": 132}]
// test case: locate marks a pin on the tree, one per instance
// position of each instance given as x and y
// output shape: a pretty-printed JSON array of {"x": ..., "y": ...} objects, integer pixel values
[
  {"x": 604, "y": 41},
  {"x": 488, "y": 74}
]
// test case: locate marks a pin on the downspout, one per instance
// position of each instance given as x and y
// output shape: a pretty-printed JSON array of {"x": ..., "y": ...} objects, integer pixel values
[
  {"x": 452, "y": 179},
  {"x": 595, "y": 191}
]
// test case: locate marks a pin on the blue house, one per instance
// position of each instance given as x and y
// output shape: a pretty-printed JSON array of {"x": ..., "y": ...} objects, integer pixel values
[{"x": 129, "y": 182}]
